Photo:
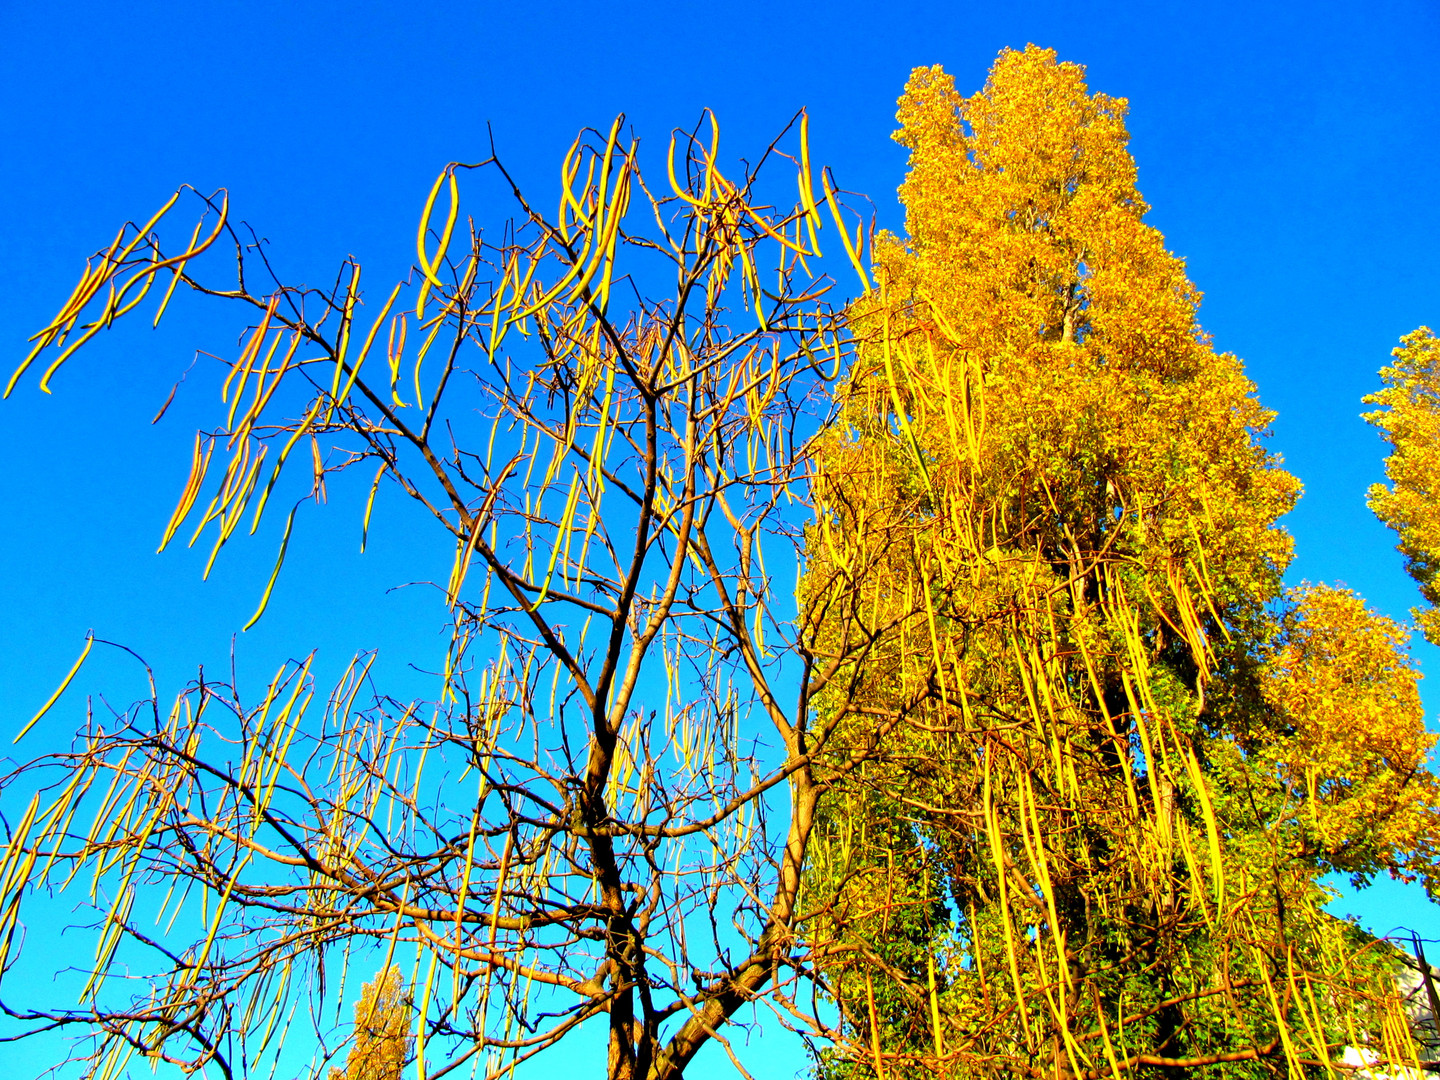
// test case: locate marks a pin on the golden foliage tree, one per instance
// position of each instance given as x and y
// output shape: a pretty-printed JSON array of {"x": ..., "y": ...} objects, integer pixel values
[
  {"x": 1409, "y": 417},
  {"x": 384, "y": 1022},
  {"x": 1099, "y": 777},
  {"x": 601, "y": 819}
]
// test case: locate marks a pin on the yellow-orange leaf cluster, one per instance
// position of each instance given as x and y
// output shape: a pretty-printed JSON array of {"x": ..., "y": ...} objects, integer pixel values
[
  {"x": 1353, "y": 745},
  {"x": 384, "y": 1025},
  {"x": 1409, "y": 416},
  {"x": 1110, "y": 776}
]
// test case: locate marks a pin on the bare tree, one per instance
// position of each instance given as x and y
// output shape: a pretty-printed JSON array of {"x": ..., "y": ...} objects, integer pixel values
[{"x": 606, "y": 809}]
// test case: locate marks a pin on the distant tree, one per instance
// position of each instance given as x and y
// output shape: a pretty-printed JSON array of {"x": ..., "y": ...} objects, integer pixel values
[
  {"x": 602, "y": 817},
  {"x": 384, "y": 1022},
  {"x": 1409, "y": 417},
  {"x": 1118, "y": 756}
]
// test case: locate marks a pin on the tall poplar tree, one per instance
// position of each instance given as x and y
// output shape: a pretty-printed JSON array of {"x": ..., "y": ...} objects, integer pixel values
[{"x": 1116, "y": 756}]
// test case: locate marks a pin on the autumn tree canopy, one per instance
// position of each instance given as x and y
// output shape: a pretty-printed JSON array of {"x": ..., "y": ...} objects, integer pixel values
[{"x": 1118, "y": 754}]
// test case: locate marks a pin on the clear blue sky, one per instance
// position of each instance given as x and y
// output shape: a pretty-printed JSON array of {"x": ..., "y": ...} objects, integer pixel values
[{"x": 1291, "y": 152}]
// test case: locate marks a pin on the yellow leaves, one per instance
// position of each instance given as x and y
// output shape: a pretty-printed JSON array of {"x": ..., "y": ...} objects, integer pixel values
[
  {"x": 1346, "y": 695},
  {"x": 1342, "y": 678},
  {"x": 384, "y": 1024},
  {"x": 1085, "y": 367},
  {"x": 1024, "y": 197},
  {"x": 1050, "y": 482},
  {"x": 1409, "y": 418},
  {"x": 1035, "y": 116}
]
